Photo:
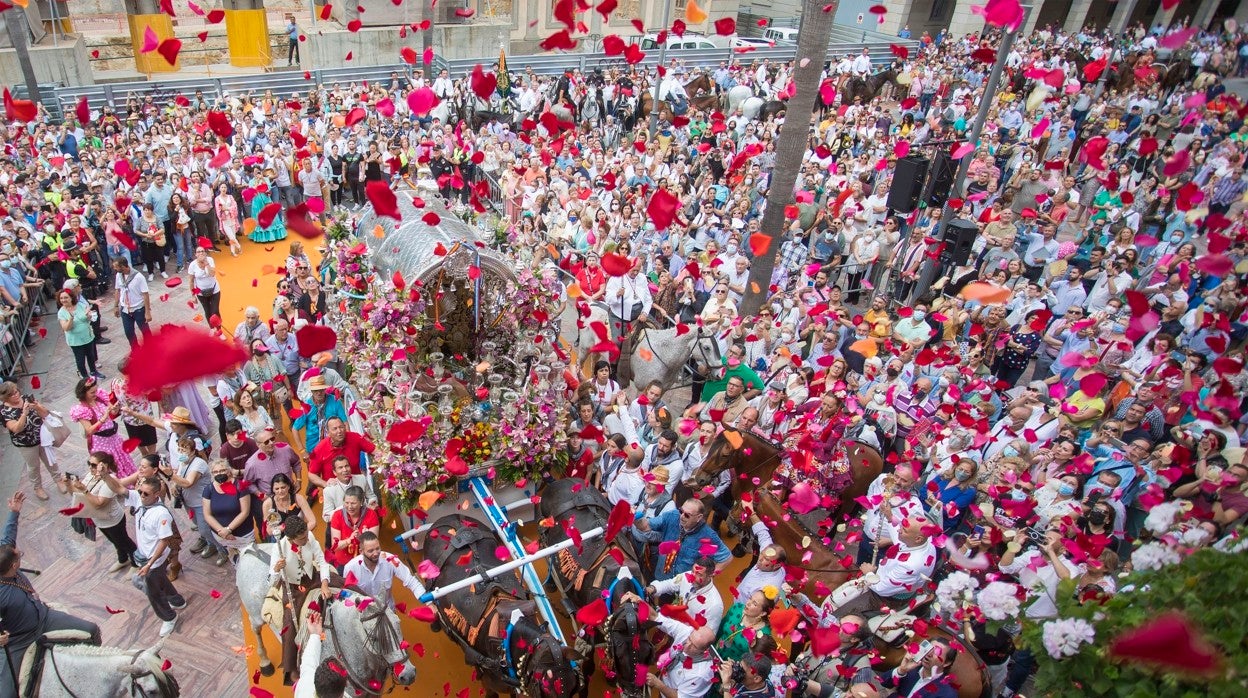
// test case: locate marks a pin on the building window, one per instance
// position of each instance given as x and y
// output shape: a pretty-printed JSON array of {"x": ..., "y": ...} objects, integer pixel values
[
  {"x": 680, "y": 6},
  {"x": 940, "y": 8}
]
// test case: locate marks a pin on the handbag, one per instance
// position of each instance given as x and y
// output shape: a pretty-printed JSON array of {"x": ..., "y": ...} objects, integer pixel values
[{"x": 56, "y": 427}]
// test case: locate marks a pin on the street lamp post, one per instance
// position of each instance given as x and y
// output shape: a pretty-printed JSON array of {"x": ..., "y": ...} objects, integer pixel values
[{"x": 964, "y": 165}]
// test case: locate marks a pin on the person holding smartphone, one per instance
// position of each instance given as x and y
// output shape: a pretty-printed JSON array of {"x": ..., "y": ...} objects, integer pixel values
[{"x": 924, "y": 672}]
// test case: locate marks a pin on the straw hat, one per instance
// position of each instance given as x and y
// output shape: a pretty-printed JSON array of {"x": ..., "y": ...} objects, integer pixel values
[
  {"x": 317, "y": 383},
  {"x": 180, "y": 415},
  {"x": 660, "y": 474}
]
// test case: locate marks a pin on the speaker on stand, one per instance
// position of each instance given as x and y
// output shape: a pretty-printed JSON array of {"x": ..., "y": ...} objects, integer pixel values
[
  {"x": 908, "y": 180},
  {"x": 958, "y": 238},
  {"x": 940, "y": 180}
]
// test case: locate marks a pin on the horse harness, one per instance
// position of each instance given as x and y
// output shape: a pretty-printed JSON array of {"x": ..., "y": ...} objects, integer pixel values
[
  {"x": 697, "y": 349},
  {"x": 379, "y": 635}
]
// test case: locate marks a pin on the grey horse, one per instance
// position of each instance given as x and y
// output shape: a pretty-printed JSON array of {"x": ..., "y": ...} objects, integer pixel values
[{"x": 364, "y": 635}]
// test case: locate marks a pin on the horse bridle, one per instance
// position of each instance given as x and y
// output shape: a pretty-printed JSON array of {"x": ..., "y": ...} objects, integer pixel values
[
  {"x": 523, "y": 675},
  {"x": 633, "y": 623},
  {"x": 379, "y": 635}
]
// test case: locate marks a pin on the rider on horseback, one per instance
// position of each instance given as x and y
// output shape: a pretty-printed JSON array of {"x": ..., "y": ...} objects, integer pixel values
[
  {"x": 298, "y": 566},
  {"x": 673, "y": 92}
]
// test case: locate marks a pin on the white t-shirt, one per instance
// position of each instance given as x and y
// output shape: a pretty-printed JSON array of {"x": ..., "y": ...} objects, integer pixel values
[
  {"x": 204, "y": 275},
  {"x": 131, "y": 291},
  {"x": 151, "y": 525}
]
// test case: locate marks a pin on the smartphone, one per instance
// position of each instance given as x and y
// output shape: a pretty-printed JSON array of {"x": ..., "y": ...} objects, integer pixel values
[
  {"x": 925, "y": 648},
  {"x": 978, "y": 531},
  {"x": 1178, "y": 356}
]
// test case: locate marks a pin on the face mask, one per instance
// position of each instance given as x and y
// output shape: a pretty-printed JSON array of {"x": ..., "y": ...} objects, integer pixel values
[
  {"x": 1018, "y": 494},
  {"x": 730, "y": 250},
  {"x": 221, "y": 478},
  {"x": 1097, "y": 518},
  {"x": 1009, "y": 452},
  {"x": 1066, "y": 489},
  {"x": 786, "y": 337},
  {"x": 1118, "y": 328},
  {"x": 182, "y": 458},
  {"x": 878, "y": 399},
  {"x": 962, "y": 476},
  {"x": 829, "y": 235},
  {"x": 919, "y": 315},
  {"x": 1176, "y": 239}
]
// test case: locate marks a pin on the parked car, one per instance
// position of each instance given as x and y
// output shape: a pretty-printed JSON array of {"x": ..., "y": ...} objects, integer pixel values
[
  {"x": 781, "y": 36},
  {"x": 651, "y": 42}
]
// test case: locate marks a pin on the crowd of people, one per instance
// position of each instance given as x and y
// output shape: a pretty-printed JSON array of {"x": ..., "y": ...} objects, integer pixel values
[{"x": 1084, "y": 363}]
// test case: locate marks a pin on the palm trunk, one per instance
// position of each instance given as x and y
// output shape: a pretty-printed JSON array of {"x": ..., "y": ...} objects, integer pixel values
[
  {"x": 19, "y": 36},
  {"x": 812, "y": 51}
]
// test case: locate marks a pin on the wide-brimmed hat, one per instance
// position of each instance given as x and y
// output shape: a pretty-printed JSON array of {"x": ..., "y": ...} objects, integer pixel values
[
  {"x": 660, "y": 475},
  {"x": 317, "y": 383},
  {"x": 180, "y": 415}
]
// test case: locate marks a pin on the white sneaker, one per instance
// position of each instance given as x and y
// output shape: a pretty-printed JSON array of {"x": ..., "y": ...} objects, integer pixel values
[
  {"x": 118, "y": 566},
  {"x": 151, "y": 276},
  {"x": 163, "y": 275},
  {"x": 166, "y": 628}
]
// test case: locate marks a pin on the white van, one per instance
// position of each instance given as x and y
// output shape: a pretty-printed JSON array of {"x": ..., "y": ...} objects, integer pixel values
[
  {"x": 781, "y": 36},
  {"x": 651, "y": 41}
]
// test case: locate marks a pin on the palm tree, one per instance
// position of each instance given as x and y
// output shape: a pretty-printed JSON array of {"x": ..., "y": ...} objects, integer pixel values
[
  {"x": 19, "y": 37},
  {"x": 812, "y": 50}
]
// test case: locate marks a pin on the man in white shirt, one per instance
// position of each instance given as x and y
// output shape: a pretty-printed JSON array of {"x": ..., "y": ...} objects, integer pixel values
[
  {"x": 862, "y": 63},
  {"x": 891, "y": 502},
  {"x": 324, "y": 679},
  {"x": 628, "y": 297},
  {"x": 687, "y": 669},
  {"x": 374, "y": 572},
  {"x": 901, "y": 573},
  {"x": 626, "y": 484},
  {"x": 443, "y": 87},
  {"x": 696, "y": 591},
  {"x": 134, "y": 302},
  {"x": 153, "y": 528},
  {"x": 1036, "y": 570},
  {"x": 769, "y": 570}
]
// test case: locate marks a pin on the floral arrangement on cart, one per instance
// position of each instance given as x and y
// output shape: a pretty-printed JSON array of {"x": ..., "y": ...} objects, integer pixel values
[{"x": 458, "y": 371}]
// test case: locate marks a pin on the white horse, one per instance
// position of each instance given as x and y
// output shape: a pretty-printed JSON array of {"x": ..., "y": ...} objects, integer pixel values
[
  {"x": 87, "y": 671},
  {"x": 661, "y": 354},
  {"x": 363, "y": 634},
  {"x": 737, "y": 96},
  {"x": 751, "y": 107}
]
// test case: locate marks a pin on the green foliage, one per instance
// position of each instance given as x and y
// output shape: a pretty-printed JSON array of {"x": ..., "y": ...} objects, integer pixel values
[{"x": 1207, "y": 587}]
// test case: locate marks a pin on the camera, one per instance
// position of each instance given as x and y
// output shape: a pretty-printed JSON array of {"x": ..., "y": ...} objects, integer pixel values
[
  {"x": 738, "y": 673},
  {"x": 1035, "y": 535},
  {"x": 178, "y": 501}
]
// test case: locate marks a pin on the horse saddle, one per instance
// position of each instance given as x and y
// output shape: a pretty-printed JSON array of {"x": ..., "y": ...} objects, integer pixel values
[
  {"x": 890, "y": 628},
  {"x": 465, "y": 538},
  {"x": 31, "y": 673}
]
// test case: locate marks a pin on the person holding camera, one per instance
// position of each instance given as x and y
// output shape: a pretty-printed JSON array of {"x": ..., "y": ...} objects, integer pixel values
[
  {"x": 99, "y": 503},
  {"x": 747, "y": 677},
  {"x": 924, "y": 673},
  {"x": 23, "y": 416}
]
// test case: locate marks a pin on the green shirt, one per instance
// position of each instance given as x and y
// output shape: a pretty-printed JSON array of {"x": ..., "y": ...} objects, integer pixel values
[
  {"x": 734, "y": 641},
  {"x": 80, "y": 332},
  {"x": 745, "y": 373}
]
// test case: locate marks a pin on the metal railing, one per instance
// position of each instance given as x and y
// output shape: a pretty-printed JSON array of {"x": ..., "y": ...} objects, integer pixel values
[
  {"x": 61, "y": 100},
  {"x": 13, "y": 331}
]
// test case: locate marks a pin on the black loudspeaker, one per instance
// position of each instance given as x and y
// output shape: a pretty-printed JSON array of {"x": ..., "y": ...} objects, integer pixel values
[
  {"x": 959, "y": 236},
  {"x": 903, "y": 196},
  {"x": 940, "y": 180}
]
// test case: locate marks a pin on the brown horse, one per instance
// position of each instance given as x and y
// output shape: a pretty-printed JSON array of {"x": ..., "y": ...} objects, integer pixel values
[
  {"x": 754, "y": 460},
  {"x": 700, "y": 83},
  {"x": 869, "y": 88}
]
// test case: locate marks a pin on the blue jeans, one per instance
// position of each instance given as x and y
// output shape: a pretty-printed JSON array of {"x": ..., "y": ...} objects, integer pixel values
[
  {"x": 185, "y": 245},
  {"x": 202, "y": 525},
  {"x": 129, "y": 321},
  {"x": 121, "y": 251}
]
